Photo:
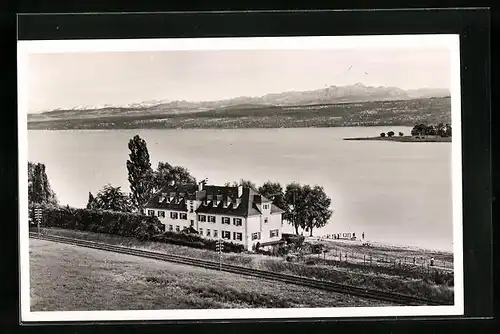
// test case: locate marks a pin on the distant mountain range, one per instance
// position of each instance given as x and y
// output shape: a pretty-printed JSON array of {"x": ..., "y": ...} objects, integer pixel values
[{"x": 329, "y": 95}]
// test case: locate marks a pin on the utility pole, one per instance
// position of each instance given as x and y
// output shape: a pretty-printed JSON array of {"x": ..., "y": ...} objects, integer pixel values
[
  {"x": 294, "y": 217},
  {"x": 38, "y": 217},
  {"x": 219, "y": 247}
]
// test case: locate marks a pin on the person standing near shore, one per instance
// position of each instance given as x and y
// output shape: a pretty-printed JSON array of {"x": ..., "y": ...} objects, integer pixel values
[{"x": 363, "y": 236}]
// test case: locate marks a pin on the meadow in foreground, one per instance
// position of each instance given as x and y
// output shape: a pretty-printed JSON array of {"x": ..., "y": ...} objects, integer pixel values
[
  {"x": 406, "y": 280},
  {"x": 70, "y": 278}
]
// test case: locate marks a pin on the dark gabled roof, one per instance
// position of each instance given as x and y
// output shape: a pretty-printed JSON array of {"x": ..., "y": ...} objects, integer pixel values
[
  {"x": 244, "y": 209},
  {"x": 275, "y": 209},
  {"x": 182, "y": 191},
  {"x": 259, "y": 199},
  {"x": 248, "y": 206},
  {"x": 173, "y": 205}
]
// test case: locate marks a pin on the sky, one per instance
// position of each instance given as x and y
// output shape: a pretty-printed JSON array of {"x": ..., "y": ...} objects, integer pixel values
[{"x": 67, "y": 80}]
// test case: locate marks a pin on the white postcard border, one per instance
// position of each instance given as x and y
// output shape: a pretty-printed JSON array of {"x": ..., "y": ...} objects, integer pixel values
[{"x": 247, "y": 43}]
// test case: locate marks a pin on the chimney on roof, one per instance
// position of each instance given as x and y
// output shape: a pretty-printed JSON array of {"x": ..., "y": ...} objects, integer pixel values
[
  {"x": 228, "y": 202},
  {"x": 162, "y": 197},
  {"x": 201, "y": 184},
  {"x": 240, "y": 191},
  {"x": 257, "y": 199}
]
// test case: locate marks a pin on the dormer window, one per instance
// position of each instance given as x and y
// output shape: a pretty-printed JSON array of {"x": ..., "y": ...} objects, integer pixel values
[
  {"x": 237, "y": 203},
  {"x": 265, "y": 206}
]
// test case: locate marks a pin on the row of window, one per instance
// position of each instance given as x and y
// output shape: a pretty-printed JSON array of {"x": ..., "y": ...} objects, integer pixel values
[
  {"x": 227, "y": 234},
  {"x": 224, "y": 234},
  {"x": 173, "y": 215},
  {"x": 272, "y": 234},
  {"x": 201, "y": 218},
  {"x": 225, "y": 220}
]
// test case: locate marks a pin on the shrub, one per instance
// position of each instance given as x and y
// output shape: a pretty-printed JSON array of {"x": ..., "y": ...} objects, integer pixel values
[
  {"x": 293, "y": 239},
  {"x": 101, "y": 221},
  {"x": 192, "y": 240}
]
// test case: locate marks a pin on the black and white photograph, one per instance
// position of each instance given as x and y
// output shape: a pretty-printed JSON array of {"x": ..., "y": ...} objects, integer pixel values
[{"x": 240, "y": 178}]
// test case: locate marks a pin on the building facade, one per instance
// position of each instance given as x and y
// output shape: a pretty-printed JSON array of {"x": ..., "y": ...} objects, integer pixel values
[{"x": 234, "y": 214}]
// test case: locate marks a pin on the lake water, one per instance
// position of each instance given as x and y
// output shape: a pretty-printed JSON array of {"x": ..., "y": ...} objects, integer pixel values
[{"x": 393, "y": 192}]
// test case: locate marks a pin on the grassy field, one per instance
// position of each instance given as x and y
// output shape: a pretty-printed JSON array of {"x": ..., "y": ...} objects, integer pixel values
[
  {"x": 375, "y": 113},
  {"x": 70, "y": 278},
  {"x": 411, "y": 280}
]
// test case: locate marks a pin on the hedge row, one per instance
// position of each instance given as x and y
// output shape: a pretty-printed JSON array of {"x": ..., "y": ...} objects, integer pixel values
[
  {"x": 196, "y": 241},
  {"x": 102, "y": 221},
  {"x": 127, "y": 225}
]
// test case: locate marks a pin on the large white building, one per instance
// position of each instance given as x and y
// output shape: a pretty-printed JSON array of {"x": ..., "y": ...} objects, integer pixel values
[{"x": 235, "y": 214}]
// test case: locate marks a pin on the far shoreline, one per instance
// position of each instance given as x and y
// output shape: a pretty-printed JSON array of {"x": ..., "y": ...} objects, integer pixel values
[
  {"x": 407, "y": 139},
  {"x": 221, "y": 128}
]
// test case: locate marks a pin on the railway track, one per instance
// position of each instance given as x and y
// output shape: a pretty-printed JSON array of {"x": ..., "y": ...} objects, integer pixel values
[{"x": 286, "y": 278}]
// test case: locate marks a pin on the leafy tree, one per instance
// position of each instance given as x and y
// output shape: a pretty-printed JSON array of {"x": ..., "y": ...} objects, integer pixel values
[
  {"x": 166, "y": 173},
  {"x": 382, "y": 134},
  {"x": 39, "y": 189},
  {"x": 447, "y": 130},
  {"x": 293, "y": 193},
  {"x": 140, "y": 173},
  {"x": 430, "y": 130},
  {"x": 440, "y": 130},
  {"x": 318, "y": 209},
  {"x": 242, "y": 182},
  {"x": 274, "y": 192},
  {"x": 401, "y": 134},
  {"x": 418, "y": 130},
  {"x": 308, "y": 207},
  {"x": 111, "y": 198},
  {"x": 390, "y": 133},
  {"x": 91, "y": 201},
  {"x": 422, "y": 130},
  {"x": 247, "y": 183}
]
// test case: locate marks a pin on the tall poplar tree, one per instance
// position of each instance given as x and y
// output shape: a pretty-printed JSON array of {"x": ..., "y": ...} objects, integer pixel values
[
  {"x": 140, "y": 173},
  {"x": 39, "y": 189}
]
